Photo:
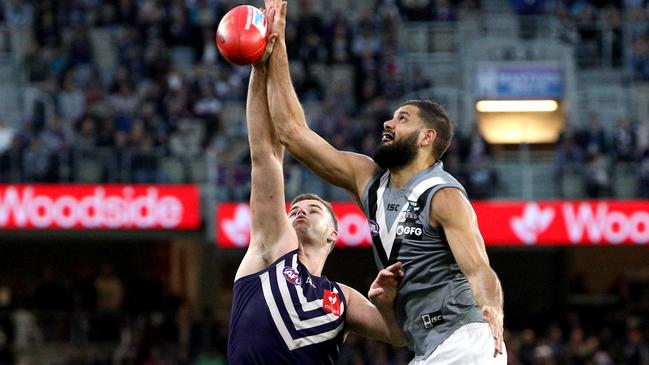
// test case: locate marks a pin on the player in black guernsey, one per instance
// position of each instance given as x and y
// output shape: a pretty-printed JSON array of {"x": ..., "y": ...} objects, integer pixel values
[{"x": 283, "y": 310}]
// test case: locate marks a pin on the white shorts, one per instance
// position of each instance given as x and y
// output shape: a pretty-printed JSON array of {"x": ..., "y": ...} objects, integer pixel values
[{"x": 471, "y": 344}]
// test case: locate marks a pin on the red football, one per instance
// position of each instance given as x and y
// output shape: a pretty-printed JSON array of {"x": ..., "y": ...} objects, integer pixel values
[{"x": 242, "y": 34}]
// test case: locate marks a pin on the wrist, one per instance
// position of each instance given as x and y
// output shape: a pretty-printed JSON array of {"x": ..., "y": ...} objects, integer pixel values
[{"x": 260, "y": 68}]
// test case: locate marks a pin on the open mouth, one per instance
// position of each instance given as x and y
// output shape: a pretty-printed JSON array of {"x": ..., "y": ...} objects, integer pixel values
[{"x": 387, "y": 137}]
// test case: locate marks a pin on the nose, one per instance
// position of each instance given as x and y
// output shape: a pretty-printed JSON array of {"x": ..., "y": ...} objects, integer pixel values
[
  {"x": 299, "y": 212},
  {"x": 388, "y": 124}
]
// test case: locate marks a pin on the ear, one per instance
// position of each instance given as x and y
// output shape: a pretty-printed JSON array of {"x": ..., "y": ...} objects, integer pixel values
[
  {"x": 429, "y": 137},
  {"x": 333, "y": 236}
]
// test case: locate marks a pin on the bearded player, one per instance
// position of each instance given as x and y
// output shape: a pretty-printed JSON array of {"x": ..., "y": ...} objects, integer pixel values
[
  {"x": 450, "y": 301},
  {"x": 283, "y": 310}
]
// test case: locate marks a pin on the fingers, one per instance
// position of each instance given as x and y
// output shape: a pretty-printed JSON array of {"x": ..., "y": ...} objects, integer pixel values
[
  {"x": 375, "y": 292},
  {"x": 498, "y": 339},
  {"x": 283, "y": 8},
  {"x": 494, "y": 318},
  {"x": 270, "y": 16}
]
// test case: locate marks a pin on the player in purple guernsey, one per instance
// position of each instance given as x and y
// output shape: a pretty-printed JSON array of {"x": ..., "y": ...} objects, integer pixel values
[{"x": 283, "y": 310}]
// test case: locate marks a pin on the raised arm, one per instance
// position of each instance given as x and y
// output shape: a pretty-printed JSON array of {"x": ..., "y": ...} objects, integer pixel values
[
  {"x": 452, "y": 210},
  {"x": 271, "y": 232},
  {"x": 348, "y": 170}
]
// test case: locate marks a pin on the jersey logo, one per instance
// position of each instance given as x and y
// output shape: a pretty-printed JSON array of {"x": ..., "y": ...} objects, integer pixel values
[
  {"x": 410, "y": 231},
  {"x": 393, "y": 207},
  {"x": 432, "y": 319},
  {"x": 331, "y": 302},
  {"x": 291, "y": 275},
  {"x": 412, "y": 211},
  {"x": 310, "y": 282},
  {"x": 374, "y": 227}
]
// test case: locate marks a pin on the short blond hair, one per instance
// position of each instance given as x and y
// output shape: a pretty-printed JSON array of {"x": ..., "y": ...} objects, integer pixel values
[{"x": 310, "y": 196}]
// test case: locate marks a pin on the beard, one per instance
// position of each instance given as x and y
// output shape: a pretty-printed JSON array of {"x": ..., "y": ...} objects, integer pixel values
[{"x": 398, "y": 153}]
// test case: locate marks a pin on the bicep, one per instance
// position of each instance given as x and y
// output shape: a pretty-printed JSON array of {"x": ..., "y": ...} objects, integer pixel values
[
  {"x": 269, "y": 224},
  {"x": 363, "y": 318},
  {"x": 454, "y": 213},
  {"x": 347, "y": 170}
]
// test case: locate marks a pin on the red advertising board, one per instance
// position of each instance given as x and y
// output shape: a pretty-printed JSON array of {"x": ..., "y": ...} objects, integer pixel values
[
  {"x": 114, "y": 207},
  {"x": 577, "y": 223},
  {"x": 591, "y": 222},
  {"x": 233, "y": 225}
]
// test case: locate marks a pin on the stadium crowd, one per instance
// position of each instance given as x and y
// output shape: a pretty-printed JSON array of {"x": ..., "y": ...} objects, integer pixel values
[
  {"x": 133, "y": 85},
  {"x": 101, "y": 318}
]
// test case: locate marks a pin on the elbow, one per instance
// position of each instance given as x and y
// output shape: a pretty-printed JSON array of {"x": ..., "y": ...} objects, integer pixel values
[{"x": 287, "y": 134}]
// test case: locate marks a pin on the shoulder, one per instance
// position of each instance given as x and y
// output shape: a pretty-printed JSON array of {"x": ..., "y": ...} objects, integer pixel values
[
  {"x": 348, "y": 292},
  {"x": 448, "y": 204}
]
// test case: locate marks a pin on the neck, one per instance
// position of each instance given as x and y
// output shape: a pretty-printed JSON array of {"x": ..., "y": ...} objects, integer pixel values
[
  {"x": 400, "y": 176},
  {"x": 313, "y": 258}
]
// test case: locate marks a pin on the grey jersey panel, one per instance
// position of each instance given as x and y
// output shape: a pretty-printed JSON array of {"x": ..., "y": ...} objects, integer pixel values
[{"x": 435, "y": 297}]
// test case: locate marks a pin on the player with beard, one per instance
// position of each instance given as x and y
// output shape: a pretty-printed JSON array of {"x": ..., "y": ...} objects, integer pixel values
[{"x": 450, "y": 301}]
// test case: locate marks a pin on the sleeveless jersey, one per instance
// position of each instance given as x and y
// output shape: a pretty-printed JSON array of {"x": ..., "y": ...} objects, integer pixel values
[
  {"x": 434, "y": 298},
  {"x": 284, "y": 315}
]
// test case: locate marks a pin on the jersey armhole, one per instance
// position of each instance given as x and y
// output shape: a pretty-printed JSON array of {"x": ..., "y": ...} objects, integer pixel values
[
  {"x": 283, "y": 257},
  {"x": 343, "y": 298},
  {"x": 366, "y": 190},
  {"x": 429, "y": 199}
]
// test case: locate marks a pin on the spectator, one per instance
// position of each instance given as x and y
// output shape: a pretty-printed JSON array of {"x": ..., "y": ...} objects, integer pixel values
[
  {"x": 623, "y": 141},
  {"x": 71, "y": 99},
  {"x": 7, "y": 134},
  {"x": 110, "y": 290}
]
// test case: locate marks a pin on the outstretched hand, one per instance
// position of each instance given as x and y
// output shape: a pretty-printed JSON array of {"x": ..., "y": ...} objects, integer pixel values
[
  {"x": 384, "y": 288},
  {"x": 275, "y": 12},
  {"x": 269, "y": 13},
  {"x": 494, "y": 316},
  {"x": 278, "y": 24}
]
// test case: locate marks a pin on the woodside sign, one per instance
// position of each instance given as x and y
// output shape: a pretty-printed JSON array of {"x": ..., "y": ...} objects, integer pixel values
[{"x": 113, "y": 207}]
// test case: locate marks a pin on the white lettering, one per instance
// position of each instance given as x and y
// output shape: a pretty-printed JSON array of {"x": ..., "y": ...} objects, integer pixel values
[
  {"x": 613, "y": 220},
  {"x": 584, "y": 219},
  {"x": 126, "y": 209},
  {"x": 639, "y": 227},
  {"x": 613, "y": 227}
]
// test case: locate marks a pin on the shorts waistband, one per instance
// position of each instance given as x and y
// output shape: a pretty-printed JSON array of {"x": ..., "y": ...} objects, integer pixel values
[{"x": 472, "y": 326}]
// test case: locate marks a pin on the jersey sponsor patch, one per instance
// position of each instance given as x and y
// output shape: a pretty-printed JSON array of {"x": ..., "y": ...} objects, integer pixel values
[
  {"x": 411, "y": 231},
  {"x": 291, "y": 275},
  {"x": 331, "y": 302},
  {"x": 432, "y": 319}
]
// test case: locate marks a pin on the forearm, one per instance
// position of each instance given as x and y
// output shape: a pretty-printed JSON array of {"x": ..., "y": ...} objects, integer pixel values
[
  {"x": 261, "y": 135},
  {"x": 486, "y": 287},
  {"x": 395, "y": 334},
  {"x": 284, "y": 105}
]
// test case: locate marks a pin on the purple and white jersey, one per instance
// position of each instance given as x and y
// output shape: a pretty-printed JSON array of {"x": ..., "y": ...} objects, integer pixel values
[{"x": 285, "y": 315}]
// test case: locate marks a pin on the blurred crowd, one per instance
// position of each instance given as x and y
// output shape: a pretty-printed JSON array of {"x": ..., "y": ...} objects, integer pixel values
[
  {"x": 103, "y": 317},
  {"x": 135, "y": 91},
  {"x": 598, "y": 156},
  {"x": 597, "y": 30}
]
